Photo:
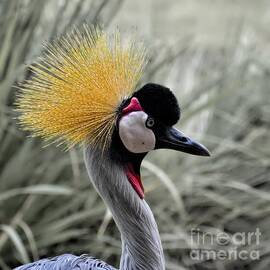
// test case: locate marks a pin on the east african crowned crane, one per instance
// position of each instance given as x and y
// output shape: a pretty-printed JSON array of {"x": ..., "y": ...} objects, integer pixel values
[{"x": 83, "y": 91}]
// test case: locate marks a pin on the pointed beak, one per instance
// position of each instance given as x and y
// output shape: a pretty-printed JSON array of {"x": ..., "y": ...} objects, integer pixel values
[{"x": 174, "y": 139}]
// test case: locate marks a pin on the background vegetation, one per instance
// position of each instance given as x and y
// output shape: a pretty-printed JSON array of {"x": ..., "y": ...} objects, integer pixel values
[{"x": 47, "y": 206}]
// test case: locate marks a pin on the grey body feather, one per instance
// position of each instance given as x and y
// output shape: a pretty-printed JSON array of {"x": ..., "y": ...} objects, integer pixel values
[
  {"x": 141, "y": 245},
  {"x": 67, "y": 262}
]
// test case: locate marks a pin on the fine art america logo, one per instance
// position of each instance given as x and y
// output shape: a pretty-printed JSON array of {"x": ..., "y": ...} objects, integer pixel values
[{"x": 224, "y": 246}]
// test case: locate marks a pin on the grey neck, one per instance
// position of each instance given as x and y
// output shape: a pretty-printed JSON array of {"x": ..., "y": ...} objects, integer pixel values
[{"x": 141, "y": 245}]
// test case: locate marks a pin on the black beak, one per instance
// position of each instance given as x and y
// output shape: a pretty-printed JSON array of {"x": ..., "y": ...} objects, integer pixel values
[{"x": 176, "y": 140}]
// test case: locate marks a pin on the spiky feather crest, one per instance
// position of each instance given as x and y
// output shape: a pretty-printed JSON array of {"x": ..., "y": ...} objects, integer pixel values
[{"x": 78, "y": 85}]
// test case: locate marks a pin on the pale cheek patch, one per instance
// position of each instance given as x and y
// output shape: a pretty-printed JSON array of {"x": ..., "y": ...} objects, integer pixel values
[{"x": 136, "y": 137}]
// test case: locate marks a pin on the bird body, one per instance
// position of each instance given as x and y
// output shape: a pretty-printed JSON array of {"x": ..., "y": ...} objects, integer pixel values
[
  {"x": 84, "y": 92},
  {"x": 141, "y": 245},
  {"x": 67, "y": 262}
]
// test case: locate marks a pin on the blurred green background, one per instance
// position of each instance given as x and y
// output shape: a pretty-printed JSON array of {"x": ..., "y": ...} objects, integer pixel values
[{"x": 215, "y": 55}]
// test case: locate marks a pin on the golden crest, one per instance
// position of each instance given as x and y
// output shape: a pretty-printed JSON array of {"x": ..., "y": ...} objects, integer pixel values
[{"x": 78, "y": 85}]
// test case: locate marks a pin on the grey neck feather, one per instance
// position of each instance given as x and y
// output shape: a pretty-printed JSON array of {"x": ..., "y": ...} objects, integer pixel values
[{"x": 141, "y": 245}]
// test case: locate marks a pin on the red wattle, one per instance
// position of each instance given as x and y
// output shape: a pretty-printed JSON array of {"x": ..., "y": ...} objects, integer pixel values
[
  {"x": 135, "y": 180},
  {"x": 133, "y": 106}
]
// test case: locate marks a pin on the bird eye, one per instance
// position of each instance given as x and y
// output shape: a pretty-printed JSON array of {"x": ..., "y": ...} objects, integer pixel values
[{"x": 150, "y": 122}]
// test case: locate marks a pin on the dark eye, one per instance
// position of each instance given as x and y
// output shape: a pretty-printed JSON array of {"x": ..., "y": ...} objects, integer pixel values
[{"x": 150, "y": 122}]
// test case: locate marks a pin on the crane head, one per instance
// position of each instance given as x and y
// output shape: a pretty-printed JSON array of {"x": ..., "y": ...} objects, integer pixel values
[
  {"x": 147, "y": 121},
  {"x": 82, "y": 90}
]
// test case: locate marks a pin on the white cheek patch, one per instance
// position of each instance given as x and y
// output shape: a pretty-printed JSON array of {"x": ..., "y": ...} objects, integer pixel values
[{"x": 136, "y": 137}]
